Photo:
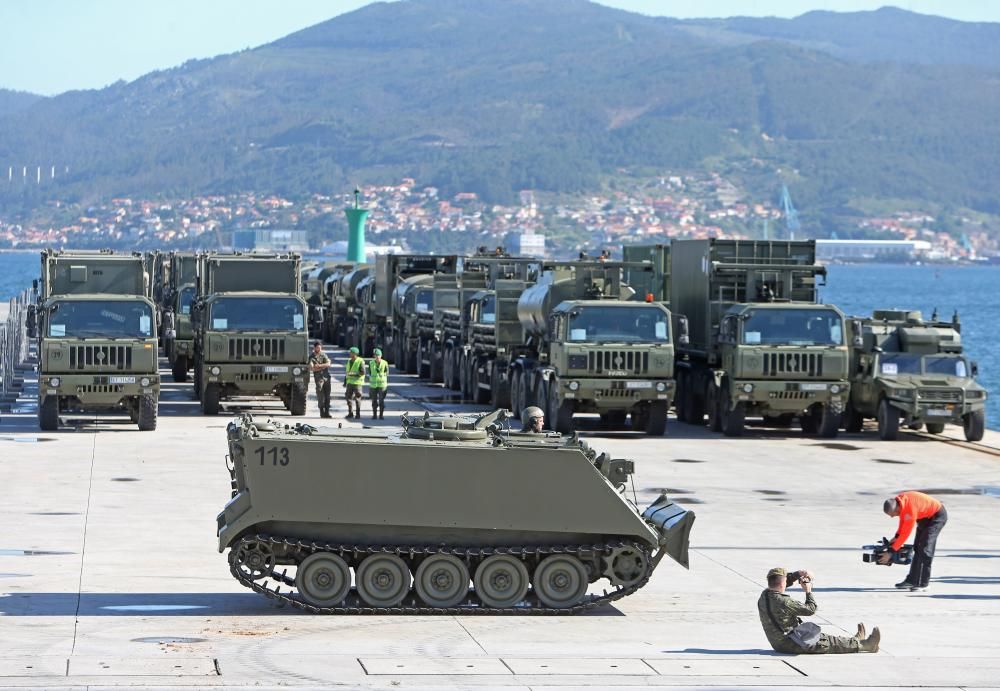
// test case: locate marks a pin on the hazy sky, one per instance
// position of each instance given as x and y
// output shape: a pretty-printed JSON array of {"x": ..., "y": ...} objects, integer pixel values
[{"x": 51, "y": 46}]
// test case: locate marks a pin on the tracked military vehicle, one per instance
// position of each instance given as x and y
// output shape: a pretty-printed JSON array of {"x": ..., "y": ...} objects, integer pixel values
[{"x": 402, "y": 521}]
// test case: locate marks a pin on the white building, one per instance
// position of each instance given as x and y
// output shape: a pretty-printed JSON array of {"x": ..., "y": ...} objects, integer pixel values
[{"x": 894, "y": 250}]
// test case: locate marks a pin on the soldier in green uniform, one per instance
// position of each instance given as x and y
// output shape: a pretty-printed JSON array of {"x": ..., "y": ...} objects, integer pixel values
[
  {"x": 378, "y": 383},
  {"x": 779, "y": 615},
  {"x": 319, "y": 365},
  {"x": 354, "y": 379}
]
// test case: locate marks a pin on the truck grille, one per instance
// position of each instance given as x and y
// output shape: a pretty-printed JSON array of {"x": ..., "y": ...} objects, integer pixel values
[
  {"x": 253, "y": 376},
  {"x": 104, "y": 357},
  {"x": 940, "y": 395},
  {"x": 631, "y": 361},
  {"x": 617, "y": 393},
  {"x": 793, "y": 363},
  {"x": 256, "y": 348},
  {"x": 791, "y": 395},
  {"x": 100, "y": 388}
]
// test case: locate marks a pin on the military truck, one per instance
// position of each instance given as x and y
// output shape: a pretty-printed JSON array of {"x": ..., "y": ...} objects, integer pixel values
[
  {"x": 377, "y": 318},
  {"x": 589, "y": 348},
  {"x": 250, "y": 334},
  {"x": 411, "y": 297},
  {"x": 534, "y": 523},
  {"x": 314, "y": 287},
  {"x": 760, "y": 344},
  {"x": 340, "y": 314},
  {"x": 650, "y": 283},
  {"x": 97, "y": 339},
  {"x": 178, "y": 297},
  {"x": 905, "y": 369}
]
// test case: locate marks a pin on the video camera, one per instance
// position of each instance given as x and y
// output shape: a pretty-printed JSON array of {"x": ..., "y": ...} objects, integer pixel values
[{"x": 873, "y": 552}]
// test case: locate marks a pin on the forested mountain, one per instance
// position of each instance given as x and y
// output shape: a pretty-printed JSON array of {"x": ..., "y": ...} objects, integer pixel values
[
  {"x": 494, "y": 96},
  {"x": 13, "y": 101}
]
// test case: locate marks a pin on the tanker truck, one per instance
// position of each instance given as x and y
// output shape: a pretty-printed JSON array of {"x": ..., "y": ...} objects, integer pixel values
[
  {"x": 588, "y": 348},
  {"x": 250, "y": 330},
  {"x": 378, "y": 320},
  {"x": 97, "y": 339},
  {"x": 910, "y": 371},
  {"x": 178, "y": 296},
  {"x": 341, "y": 315},
  {"x": 313, "y": 291},
  {"x": 760, "y": 344}
]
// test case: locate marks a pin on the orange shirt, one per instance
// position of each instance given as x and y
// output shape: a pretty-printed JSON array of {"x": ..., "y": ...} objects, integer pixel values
[{"x": 913, "y": 506}]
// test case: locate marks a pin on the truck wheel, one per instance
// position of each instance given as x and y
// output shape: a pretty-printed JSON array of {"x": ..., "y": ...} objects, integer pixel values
[
  {"x": 515, "y": 393},
  {"x": 434, "y": 369},
  {"x": 197, "y": 380},
  {"x": 147, "y": 413},
  {"x": 714, "y": 405},
  {"x": 210, "y": 400},
  {"x": 482, "y": 397},
  {"x": 562, "y": 413},
  {"x": 180, "y": 369},
  {"x": 656, "y": 425},
  {"x": 733, "y": 417},
  {"x": 853, "y": 420},
  {"x": 888, "y": 421},
  {"x": 808, "y": 421},
  {"x": 423, "y": 371},
  {"x": 935, "y": 427},
  {"x": 48, "y": 414},
  {"x": 829, "y": 422},
  {"x": 297, "y": 403},
  {"x": 975, "y": 425},
  {"x": 681, "y": 396},
  {"x": 447, "y": 370}
]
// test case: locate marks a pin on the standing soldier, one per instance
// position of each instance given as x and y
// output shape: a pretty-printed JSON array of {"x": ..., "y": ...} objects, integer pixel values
[
  {"x": 319, "y": 365},
  {"x": 354, "y": 379},
  {"x": 378, "y": 383}
]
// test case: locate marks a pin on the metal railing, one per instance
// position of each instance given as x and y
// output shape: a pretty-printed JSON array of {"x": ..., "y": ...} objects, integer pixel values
[{"x": 14, "y": 340}]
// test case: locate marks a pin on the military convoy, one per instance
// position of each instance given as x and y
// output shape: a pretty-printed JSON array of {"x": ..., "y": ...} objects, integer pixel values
[
  {"x": 910, "y": 371},
  {"x": 302, "y": 526},
  {"x": 97, "y": 337},
  {"x": 177, "y": 297}
]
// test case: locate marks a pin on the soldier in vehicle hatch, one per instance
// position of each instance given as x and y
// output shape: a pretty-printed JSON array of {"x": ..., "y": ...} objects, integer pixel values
[
  {"x": 354, "y": 379},
  {"x": 533, "y": 420},
  {"x": 779, "y": 615},
  {"x": 319, "y": 365}
]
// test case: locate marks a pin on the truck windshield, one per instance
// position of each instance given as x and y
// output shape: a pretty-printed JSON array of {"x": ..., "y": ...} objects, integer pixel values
[
  {"x": 185, "y": 299},
  {"x": 948, "y": 365},
  {"x": 256, "y": 314},
  {"x": 793, "y": 327},
  {"x": 632, "y": 324},
  {"x": 488, "y": 310},
  {"x": 425, "y": 300},
  {"x": 100, "y": 319},
  {"x": 891, "y": 364}
]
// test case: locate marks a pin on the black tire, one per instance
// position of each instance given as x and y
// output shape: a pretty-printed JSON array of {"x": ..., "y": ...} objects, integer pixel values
[
  {"x": 515, "y": 393},
  {"x": 733, "y": 417},
  {"x": 423, "y": 371},
  {"x": 448, "y": 370},
  {"x": 210, "y": 400},
  {"x": 714, "y": 406},
  {"x": 888, "y": 421},
  {"x": 48, "y": 414},
  {"x": 482, "y": 397},
  {"x": 410, "y": 357},
  {"x": 179, "y": 369},
  {"x": 562, "y": 413},
  {"x": 935, "y": 427},
  {"x": 854, "y": 422},
  {"x": 148, "y": 408},
  {"x": 975, "y": 425},
  {"x": 197, "y": 380},
  {"x": 436, "y": 368},
  {"x": 829, "y": 423},
  {"x": 809, "y": 422},
  {"x": 656, "y": 425},
  {"x": 681, "y": 399},
  {"x": 297, "y": 402}
]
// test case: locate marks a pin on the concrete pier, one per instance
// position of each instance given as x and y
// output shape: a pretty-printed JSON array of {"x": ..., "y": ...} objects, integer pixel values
[{"x": 110, "y": 577}]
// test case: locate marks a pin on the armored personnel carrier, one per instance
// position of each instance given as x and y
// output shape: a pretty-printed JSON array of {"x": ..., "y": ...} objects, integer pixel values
[{"x": 334, "y": 520}]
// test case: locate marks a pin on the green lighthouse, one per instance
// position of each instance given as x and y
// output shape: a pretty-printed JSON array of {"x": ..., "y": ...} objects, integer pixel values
[{"x": 356, "y": 230}]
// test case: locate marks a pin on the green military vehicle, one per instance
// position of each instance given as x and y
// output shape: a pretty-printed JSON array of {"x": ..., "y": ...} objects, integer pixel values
[
  {"x": 905, "y": 369},
  {"x": 314, "y": 288},
  {"x": 461, "y": 501},
  {"x": 759, "y": 342},
  {"x": 339, "y": 303},
  {"x": 411, "y": 297},
  {"x": 97, "y": 339},
  {"x": 379, "y": 319},
  {"x": 589, "y": 348},
  {"x": 178, "y": 297},
  {"x": 250, "y": 336},
  {"x": 647, "y": 271}
]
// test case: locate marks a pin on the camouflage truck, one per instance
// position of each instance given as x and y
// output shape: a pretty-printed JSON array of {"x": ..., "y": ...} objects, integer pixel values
[
  {"x": 905, "y": 369},
  {"x": 760, "y": 344},
  {"x": 590, "y": 348},
  {"x": 178, "y": 297},
  {"x": 97, "y": 340},
  {"x": 250, "y": 334}
]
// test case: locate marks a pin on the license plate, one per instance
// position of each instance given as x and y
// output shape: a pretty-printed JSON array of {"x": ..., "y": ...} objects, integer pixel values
[
  {"x": 272, "y": 369},
  {"x": 121, "y": 380},
  {"x": 812, "y": 387},
  {"x": 938, "y": 411},
  {"x": 638, "y": 385}
]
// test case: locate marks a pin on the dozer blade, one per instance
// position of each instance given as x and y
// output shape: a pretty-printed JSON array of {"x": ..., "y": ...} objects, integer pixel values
[{"x": 673, "y": 523}]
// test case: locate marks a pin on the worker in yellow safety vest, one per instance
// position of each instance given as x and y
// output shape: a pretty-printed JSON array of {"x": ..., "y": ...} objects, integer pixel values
[
  {"x": 354, "y": 379},
  {"x": 378, "y": 383}
]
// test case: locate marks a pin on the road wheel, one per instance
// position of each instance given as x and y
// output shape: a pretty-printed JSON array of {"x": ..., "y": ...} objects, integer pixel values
[
  {"x": 180, "y": 369},
  {"x": 383, "y": 580},
  {"x": 656, "y": 425},
  {"x": 975, "y": 425},
  {"x": 515, "y": 393},
  {"x": 829, "y": 422},
  {"x": 297, "y": 403},
  {"x": 853, "y": 420},
  {"x": 210, "y": 400},
  {"x": 560, "y": 581},
  {"x": 48, "y": 414},
  {"x": 501, "y": 581},
  {"x": 935, "y": 427},
  {"x": 146, "y": 418},
  {"x": 323, "y": 579},
  {"x": 714, "y": 406},
  {"x": 888, "y": 421},
  {"x": 442, "y": 580}
]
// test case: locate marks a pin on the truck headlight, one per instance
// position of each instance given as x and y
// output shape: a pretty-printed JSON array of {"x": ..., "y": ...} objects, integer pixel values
[
  {"x": 573, "y": 385},
  {"x": 144, "y": 382},
  {"x": 748, "y": 388},
  {"x": 834, "y": 388},
  {"x": 216, "y": 371},
  {"x": 661, "y": 386},
  {"x": 55, "y": 381},
  {"x": 901, "y": 393},
  {"x": 296, "y": 371}
]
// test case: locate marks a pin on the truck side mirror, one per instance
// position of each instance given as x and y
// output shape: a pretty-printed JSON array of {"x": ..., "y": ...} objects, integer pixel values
[
  {"x": 683, "y": 335},
  {"x": 974, "y": 368},
  {"x": 857, "y": 336},
  {"x": 877, "y": 349}
]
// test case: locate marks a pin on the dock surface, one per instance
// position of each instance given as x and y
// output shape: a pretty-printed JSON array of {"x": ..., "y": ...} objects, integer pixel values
[{"x": 110, "y": 574}]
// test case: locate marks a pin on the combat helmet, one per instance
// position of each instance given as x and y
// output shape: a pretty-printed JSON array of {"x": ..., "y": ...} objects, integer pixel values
[{"x": 528, "y": 413}]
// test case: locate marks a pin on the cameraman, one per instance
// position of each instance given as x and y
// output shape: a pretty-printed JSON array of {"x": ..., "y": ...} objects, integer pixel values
[
  {"x": 930, "y": 516},
  {"x": 779, "y": 615}
]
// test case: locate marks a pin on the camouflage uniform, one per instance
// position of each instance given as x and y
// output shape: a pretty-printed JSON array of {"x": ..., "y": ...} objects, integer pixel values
[{"x": 779, "y": 614}]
